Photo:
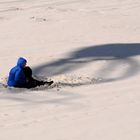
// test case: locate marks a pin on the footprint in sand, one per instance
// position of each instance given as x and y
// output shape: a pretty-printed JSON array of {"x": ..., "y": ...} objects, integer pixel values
[{"x": 38, "y": 19}]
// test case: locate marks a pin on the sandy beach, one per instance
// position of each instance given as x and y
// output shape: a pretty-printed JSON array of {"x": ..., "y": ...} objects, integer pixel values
[{"x": 91, "y": 49}]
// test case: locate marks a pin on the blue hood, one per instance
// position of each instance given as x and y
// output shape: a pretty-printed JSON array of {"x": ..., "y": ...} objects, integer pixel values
[{"x": 21, "y": 62}]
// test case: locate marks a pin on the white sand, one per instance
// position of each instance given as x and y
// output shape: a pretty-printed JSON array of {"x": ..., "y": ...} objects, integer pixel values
[{"x": 91, "y": 49}]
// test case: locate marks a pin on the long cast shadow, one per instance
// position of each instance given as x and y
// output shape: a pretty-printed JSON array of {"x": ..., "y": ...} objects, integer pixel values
[{"x": 124, "y": 53}]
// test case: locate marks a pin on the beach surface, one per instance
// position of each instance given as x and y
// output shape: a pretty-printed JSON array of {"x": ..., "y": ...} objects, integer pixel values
[{"x": 91, "y": 50}]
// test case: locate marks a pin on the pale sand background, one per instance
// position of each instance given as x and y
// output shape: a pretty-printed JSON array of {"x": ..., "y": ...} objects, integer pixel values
[{"x": 92, "y": 47}]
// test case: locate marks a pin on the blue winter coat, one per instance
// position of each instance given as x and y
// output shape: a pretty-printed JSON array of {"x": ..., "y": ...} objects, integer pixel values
[{"x": 16, "y": 76}]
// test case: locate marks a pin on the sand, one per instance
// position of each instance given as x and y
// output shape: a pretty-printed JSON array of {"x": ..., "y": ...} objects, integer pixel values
[{"x": 91, "y": 49}]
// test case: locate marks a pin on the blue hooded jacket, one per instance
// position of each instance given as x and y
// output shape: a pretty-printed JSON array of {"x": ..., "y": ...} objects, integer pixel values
[{"x": 16, "y": 76}]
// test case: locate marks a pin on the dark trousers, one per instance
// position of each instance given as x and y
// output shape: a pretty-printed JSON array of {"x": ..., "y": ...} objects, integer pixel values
[{"x": 31, "y": 82}]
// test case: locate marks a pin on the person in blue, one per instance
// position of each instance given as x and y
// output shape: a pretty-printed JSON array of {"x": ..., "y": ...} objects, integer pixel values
[{"x": 20, "y": 76}]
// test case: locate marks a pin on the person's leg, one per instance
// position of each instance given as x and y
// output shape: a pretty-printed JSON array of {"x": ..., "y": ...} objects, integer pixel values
[
  {"x": 39, "y": 83},
  {"x": 31, "y": 82},
  {"x": 48, "y": 82},
  {"x": 35, "y": 83}
]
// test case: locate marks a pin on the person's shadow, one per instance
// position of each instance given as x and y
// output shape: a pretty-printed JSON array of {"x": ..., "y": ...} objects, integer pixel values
[{"x": 114, "y": 54}]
